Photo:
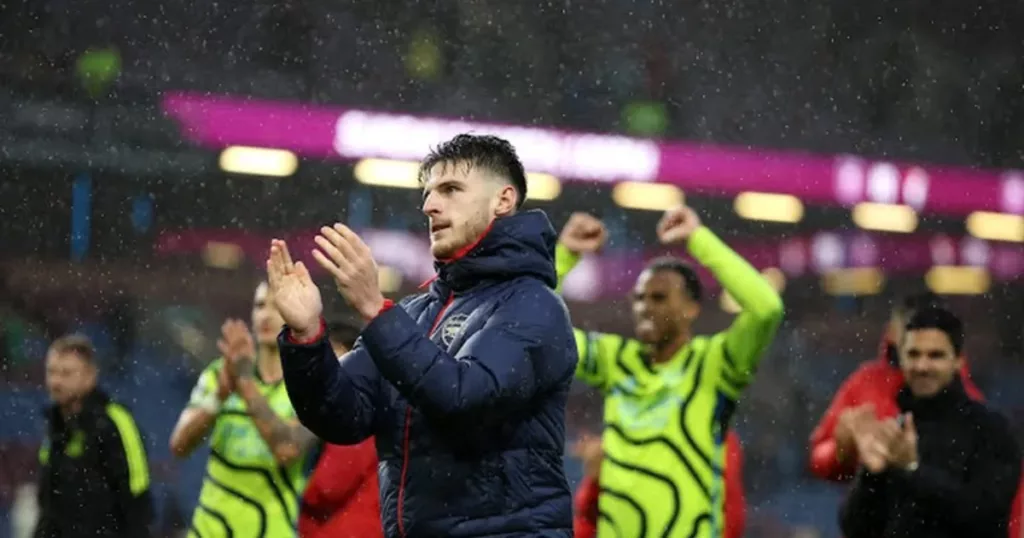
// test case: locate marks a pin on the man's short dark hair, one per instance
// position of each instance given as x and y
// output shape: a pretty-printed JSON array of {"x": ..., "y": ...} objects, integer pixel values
[
  {"x": 78, "y": 344},
  {"x": 691, "y": 280},
  {"x": 939, "y": 319},
  {"x": 343, "y": 331},
  {"x": 491, "y": 153},
  {"x": 918, "y": 301}
]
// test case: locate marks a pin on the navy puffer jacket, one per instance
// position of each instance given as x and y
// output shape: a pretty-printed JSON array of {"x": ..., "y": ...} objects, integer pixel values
[{"x": 464, "y": 388}]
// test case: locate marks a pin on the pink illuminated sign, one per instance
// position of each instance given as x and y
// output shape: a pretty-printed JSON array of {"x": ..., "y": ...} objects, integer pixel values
[{"x": 323, "y": 132}]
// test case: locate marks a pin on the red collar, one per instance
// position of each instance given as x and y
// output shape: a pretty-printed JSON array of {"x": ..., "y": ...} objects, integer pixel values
[{"x": 461, "y": 253}]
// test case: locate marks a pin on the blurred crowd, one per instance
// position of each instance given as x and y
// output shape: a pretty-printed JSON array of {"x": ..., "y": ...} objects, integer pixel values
[{"x": 922, "y": 80}]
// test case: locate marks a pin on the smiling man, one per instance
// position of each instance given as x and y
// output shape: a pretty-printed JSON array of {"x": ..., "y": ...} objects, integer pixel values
[
  {"x": 948, "y": 466},
  {"x": 670, "y": 394},
  {"x": 464, "y": 386}
]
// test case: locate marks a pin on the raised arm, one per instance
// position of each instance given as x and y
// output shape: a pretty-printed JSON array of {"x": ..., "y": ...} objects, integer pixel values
[
  {"x": 335, "y": 398},
  {"x": 584, "y": 233},
  {"x": 754, "y": 328},
  {"x": 523, "y": 349},
  {"x": 287, "y": 438},
  {"x": 597, "y": 351},
  {"x": 200, "y": 414}
]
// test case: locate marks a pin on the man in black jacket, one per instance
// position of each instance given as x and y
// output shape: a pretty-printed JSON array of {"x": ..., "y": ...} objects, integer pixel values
[
  {"x": 948, "y": 466},
  {"x": 94, "y": 475}
]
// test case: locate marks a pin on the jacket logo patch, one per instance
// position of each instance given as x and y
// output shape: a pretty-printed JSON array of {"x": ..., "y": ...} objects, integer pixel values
[{"x": 452, "y": 327}]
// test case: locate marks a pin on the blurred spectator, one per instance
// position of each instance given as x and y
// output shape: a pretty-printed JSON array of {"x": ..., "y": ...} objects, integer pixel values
[
  {"x": 947, "y": 465},
  {"x": 94, "y": 476}
]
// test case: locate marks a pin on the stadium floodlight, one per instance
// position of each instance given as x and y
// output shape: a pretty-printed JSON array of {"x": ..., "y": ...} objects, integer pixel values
[
  {"x": 390, "y": 279},
  {"x": 647, "y": 196},
  {"x": 885, "y": 217},
  {"x": 405, "y": 175},
  {"x": 958, "y": 280},
  {"x": 267, "y": 162},
  {"x": 222, "y": 255},
  {"x": 387, "y": 173},
  {"x": 996, "y": 226},
  {"x": 770, "y": 207},
  {"x": 855, "y": 281},
  {"x": 542, "y": 186}
]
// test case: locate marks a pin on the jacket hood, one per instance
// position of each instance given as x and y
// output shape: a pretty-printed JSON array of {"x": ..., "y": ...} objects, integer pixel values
[{"x": 518, "y": 245}]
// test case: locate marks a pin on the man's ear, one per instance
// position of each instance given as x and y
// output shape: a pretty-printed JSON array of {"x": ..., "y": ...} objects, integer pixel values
[{"x": 506, "y": 201}]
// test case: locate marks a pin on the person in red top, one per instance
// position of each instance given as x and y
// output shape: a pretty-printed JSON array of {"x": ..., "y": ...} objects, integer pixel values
[
  {"x": 586, "y": 511},
  {"x": 342, "y": 499},
  {"x": 872, "y": 389}
]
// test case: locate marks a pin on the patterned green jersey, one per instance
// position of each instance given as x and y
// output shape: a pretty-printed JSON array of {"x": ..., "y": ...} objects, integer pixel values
[
  {"x": 245, "y": 491},
  {"x": 665, "y": 424}
]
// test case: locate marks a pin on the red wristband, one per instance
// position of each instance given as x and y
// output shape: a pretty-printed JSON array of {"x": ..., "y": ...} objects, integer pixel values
[
  {"x": 384, "y": 307},
  {"x": 303, "y": 342}
]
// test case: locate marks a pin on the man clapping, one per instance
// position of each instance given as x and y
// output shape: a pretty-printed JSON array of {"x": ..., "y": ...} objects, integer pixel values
[
  {"x": 464, "y": 386},
  {"x": 949, "y": 466}
]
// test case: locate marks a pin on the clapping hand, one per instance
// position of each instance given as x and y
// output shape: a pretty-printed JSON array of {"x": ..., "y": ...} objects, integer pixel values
[
  {"x": 583, "y": 234},
  {"x": 347, "y": 258},
  {"x": 677, "y": 225},
  {"x": 872, "y": 439},
  {"x": 903, "y": 446},
  {"x": 238, "y": 350},
  {"x": 294, "y": 294},
  {"x": 848, "y": 422},
  {"x": 885, "y": 444},
  {"x": 225, "y": 384}
]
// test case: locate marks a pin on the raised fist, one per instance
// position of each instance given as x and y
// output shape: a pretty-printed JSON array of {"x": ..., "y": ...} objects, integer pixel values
[
  {"x": 677, "y": 224},
  {"x": 583, "y": 234}
]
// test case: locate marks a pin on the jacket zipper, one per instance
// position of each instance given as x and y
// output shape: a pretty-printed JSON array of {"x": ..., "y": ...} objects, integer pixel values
[{"x": 408, "y": 426}]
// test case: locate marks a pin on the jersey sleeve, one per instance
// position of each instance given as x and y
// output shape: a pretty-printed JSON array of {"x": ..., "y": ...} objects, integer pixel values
[
  {"x": 565, "y": 261},
  {"x": 745, "y": 341},
  {"x": 127, "y": 471},
  {"x": 598, "y": 351},
  {"x": 204, "y": 393},
  {"x": 598, "y": 354},
  {"x": 44, "y": 523}
]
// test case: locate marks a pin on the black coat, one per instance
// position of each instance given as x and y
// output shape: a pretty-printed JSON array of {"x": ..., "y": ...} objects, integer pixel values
[
  {"x": 94, "y": 477},
  {"x": 968, "y": 473}
]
